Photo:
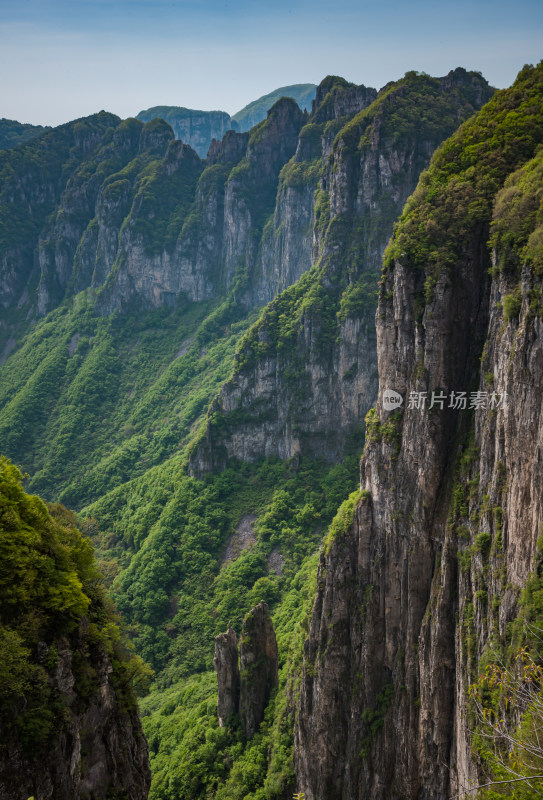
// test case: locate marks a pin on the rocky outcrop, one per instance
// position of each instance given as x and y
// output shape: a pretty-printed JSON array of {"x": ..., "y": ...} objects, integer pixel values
[
  {"x": 129, "y": 212},
  {"x": 195, "y": 128},
  {"x": 36, "y": 176},
  {"x": 259, "y": 667},
  {"x": 251, "y": 188},
  {"x": 253, "y": 113},
  {"x": 216, "y": 243},
  {"x": 336, "y": 97},
  {"x": 78, "y": 248},
  {"x": 98, "y": 751},
  {"x": 247, "y": 689},
  {"x": 226, "y": 666},
  {"x": 307, "y": 374},
  {"x": 445, "y": 534}
]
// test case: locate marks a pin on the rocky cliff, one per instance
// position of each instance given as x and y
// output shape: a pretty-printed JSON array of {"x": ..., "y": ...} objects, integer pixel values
[
  {"x": 69, "y": 726},
  {"x": 132, "y": 216},
  {"x": 195, "y": 128},
  {"x": 199, "y": 128},
  {"x": 130, "y": 213},
  {"x": 253, "y": 113},
  {"x": 306, "y": 375},
  {"x": 444, "y": 536},
  {"x": 258, "y": 667},
  {"x": 99, "y": 750},
  {"x": 246, "y": 689},
  {"x": 226, "y": 663}
]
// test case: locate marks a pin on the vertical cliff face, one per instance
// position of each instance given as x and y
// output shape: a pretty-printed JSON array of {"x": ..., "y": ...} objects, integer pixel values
[
  {"x": 252, "y": 185},
  {"x": 259, "y": 667},
  {"x": 99, "y": 750},
  {"x": 290, "y": 242},
  {"x": 148, "y": 270},
  {"x": 307, "y": 374},
  {"x": 35, "y": 176},
  {"x": 129, "y": 212},
  {"x": 445, "y": 532},
  {"x": 195, "y": 128},
  {"x": 247, "y": 688},
  {"x": 212, "y": 217},
  {"x": 253, "y": 113},
  {"x": 74, "y": 251},
  {"x": 226, "y": 666}
]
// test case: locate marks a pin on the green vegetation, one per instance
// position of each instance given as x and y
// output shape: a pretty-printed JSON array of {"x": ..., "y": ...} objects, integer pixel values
[
  {"x": 389, "y": 431},
  {"x": 506, "y": 703},
  {"x": 374, "y": 718},
  {"x": 343, "y": 519},
  {"x": 191, "y": 757},
  {"x": 162, "y": 199},
  {"x": 256, "y": 111},
  {"x": 51, "y": 159},
  {"x": 13, "y": 133},
  {"x": 517, "y": 237},
  {"x": 111, "y": 396},
  {"x": 455, "y": 195},
  {"x": 512, "y": 304},
  {"x": 134, "y": 389},
  {"x": 176, "y": 590},
  {"x": 104, "y": 411},
  {"x": 518, "y": 219},
  {"x": 48, "y": 583}
]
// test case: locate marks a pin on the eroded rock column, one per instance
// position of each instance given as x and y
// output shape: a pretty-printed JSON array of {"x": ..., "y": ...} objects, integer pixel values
[
  {"x": 225, "y": 661},
  {"x": 259, "y": 667}
]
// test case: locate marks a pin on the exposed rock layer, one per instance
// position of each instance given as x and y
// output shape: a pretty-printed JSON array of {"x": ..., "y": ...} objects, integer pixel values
[
  {"x": 99, "y": 750},
  {"x": 226, "y": 666},
  {"x": 398, "y": 626},
  {"x": 259, "y": 667},
  {"x": 307, "y": 374},
  {"x": 195, "y": 128},
  {"x": 247, "y": 689}
]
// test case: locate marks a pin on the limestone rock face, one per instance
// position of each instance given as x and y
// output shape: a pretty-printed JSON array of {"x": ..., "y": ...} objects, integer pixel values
[
  {"x": 259, "y": 667},
  {"x": 307, "y": 377},
  {"x": 445, "y": 536},
  {"x": 99, "y": 752},
  {"x": 226, "y": 666},
  {"x": 127, "y": 211},
  {"x": 193, "y": 127},
  {"x": 336, "y": 98},
  {"x": 36, "y": 181},
  {"x": 135, "y": 217},
  {"x": 250, "y": 192},
  {"x": 247, "y": 688}
]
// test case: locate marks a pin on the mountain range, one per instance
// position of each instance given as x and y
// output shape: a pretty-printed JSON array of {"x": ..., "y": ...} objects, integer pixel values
[
  {"x": 196, "y": 358},
  {"x": 199, "y": 128}
]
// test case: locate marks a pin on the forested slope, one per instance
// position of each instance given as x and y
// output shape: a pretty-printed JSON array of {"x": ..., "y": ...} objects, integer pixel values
[{"x": 68, "y": 719}]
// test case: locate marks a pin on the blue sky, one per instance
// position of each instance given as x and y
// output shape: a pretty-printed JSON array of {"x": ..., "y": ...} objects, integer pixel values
[{"x": 63, "y": 59}]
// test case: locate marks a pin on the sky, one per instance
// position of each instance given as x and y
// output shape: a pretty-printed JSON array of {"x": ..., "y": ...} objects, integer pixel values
[{"x": 64, "y": 59}]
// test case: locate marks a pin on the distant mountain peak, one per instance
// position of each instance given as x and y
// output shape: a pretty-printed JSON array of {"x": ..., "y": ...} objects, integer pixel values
[{"x": 256, "y": 111}]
